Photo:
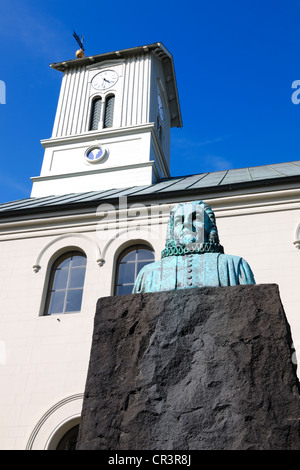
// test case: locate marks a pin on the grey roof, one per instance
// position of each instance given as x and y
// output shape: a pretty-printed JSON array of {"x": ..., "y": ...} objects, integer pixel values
[{"x": 215, "y": 181}]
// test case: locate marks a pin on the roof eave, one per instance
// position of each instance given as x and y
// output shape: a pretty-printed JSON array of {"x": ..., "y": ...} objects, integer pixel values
[
  {"x": 81, "y": 62},
  {"x": 170, "y": 194}
]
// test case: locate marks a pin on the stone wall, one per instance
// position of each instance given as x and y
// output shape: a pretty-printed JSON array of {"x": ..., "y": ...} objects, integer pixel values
[{"x": 207, "y": 368}]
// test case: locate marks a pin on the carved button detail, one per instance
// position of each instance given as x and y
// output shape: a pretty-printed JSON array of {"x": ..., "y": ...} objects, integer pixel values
[{"x": 189, "y": 270}]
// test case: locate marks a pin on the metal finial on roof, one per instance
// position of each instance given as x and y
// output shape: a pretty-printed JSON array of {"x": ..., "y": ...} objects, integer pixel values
[{"x": 80, "y": 53}]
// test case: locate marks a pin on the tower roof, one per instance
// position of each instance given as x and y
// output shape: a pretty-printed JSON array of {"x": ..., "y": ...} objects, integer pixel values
[{"x": 157, "y": 49}]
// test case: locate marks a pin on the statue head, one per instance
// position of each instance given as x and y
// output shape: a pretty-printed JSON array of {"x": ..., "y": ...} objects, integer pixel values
[{"x": 192, "y": 228}]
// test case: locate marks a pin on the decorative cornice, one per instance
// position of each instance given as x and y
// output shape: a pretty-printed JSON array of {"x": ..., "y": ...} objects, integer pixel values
[
  {"x": 95, "y": 171},
  {"x": 98, "y": 135},
  {"x": 27, "y": 223}
]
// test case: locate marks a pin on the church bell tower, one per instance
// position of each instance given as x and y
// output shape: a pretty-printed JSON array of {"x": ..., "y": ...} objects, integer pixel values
[{"x": 112, "y": 124}]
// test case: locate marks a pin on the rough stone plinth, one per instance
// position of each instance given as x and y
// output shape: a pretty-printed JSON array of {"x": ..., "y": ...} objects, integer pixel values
[{"x": 205, "y": 368}]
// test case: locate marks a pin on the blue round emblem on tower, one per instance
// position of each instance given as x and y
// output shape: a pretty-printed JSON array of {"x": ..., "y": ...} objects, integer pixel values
[{"x": 95, "y": 154}]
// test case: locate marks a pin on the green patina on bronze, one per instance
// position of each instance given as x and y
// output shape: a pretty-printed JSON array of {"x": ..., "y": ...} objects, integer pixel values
[{"x": 193, "y": 255}]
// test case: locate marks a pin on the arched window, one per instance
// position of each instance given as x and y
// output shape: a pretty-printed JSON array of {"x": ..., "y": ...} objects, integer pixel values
[
  {"x": 129, "y": 264},
  {"x": 109, "y": 111},
  {"x": 95, "y": 114},
  {"x": 66, "y": 284},
  {"x": 69, "y": 440},
  {"x": 99, "y": 118}
]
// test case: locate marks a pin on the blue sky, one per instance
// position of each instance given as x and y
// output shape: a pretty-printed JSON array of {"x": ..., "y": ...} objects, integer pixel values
[{"x": 235, "y": 63}]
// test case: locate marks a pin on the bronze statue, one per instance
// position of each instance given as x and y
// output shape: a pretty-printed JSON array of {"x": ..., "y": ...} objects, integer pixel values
[{"x": 193, "y": 256}]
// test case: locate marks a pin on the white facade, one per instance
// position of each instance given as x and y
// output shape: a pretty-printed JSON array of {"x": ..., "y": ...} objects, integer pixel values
[{"x": 44, "y": 359}]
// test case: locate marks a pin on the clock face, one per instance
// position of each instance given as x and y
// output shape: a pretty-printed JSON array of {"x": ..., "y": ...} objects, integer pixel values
[
  {"x": 105, "y": 80},
  {"x": 160, "y": 108}
]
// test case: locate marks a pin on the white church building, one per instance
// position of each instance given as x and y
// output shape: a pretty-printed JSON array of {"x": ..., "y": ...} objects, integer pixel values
[{"x": 98, "y": 213}]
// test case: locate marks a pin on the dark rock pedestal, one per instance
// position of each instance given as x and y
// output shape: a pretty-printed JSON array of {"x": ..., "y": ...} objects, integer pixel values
[{"x": 207, "y": 368}]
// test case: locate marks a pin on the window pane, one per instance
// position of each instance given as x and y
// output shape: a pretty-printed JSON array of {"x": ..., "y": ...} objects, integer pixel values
[
  {"x": 76, "y": 277},
  {"x": 60, "y": 279},
  {"x": 65, "y": 263},
  {"x": 69, "y": 440},
  {"x": 129, "y": 257},
  {"x": 124, "y": 290},
  {"x": 57, "y": 302},
  {"x": 145, "y": 255},
  {"x": 141, "y": 265},
  {"x": 73, "y": 303},
  {"x": 78, "y": 261},
  {"x": 126, "y": 273}
]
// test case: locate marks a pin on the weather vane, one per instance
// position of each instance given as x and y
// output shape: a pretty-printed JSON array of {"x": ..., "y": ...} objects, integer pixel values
[{"x": 80, "y": 52}]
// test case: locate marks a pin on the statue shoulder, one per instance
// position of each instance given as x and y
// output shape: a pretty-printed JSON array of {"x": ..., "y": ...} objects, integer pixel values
[
  {"x": 234, "y": 258},
  {"x": 145, "y": 270},
  {"x": 237, "y": 261},
  {"x": 237, "y": 267}
]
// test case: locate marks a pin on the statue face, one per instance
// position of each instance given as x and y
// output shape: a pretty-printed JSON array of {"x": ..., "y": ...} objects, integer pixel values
[{"x": 191, "y": 224}]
